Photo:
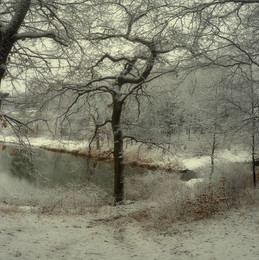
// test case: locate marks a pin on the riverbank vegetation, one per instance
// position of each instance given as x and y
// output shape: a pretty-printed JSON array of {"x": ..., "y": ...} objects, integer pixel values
[{"x": 158, "y": 197}]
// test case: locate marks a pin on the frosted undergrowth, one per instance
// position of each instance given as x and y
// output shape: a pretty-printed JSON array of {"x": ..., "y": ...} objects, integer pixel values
[{"x": 75, "y": 199}]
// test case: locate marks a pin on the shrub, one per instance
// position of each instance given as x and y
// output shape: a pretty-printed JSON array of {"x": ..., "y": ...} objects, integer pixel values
[
  {"x": 227, "y": 188},
  {"x": 149, "y": 186},
  {"x": 211, "y": 199},
  {"x": 238, "y": 178}
]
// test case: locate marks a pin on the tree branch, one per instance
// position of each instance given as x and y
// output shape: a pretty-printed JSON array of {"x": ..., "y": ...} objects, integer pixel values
[
  {"x": 36, "y": 35},
  {"x": 107, "y": 121},
  {"x": 108, "y": 56}
]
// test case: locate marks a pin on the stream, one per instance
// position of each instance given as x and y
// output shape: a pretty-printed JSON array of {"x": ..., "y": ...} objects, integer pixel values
[{"x": 20, "y": 173}]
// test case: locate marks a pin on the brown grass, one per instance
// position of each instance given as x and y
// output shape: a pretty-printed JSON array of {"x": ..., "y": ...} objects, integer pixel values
[{"x": 105, "y": 155}]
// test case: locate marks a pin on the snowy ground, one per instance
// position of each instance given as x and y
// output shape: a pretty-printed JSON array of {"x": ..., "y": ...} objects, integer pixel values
[
  {"x": 234, "y": 155},
  {"x": 103, "y": 236},
  {"x": 125, "y": 232}
]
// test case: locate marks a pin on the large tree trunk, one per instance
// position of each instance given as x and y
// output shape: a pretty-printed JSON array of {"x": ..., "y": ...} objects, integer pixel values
[
  {"x": 254, "y": 129},
  {"x": 118, "y": 150},
  {"x": 8, "y": 32},
  {"x": 4, "y": 52},
  {"x": 5, "y": 48},
  {"x": 253, "y": 154}
]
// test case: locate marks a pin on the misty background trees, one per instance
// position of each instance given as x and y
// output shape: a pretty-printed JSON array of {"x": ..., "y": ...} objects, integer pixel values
[{"x": 179, "y": 75}]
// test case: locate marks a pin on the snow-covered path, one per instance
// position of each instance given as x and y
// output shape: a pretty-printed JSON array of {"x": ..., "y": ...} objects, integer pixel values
[{"x": 31, "y": 236}]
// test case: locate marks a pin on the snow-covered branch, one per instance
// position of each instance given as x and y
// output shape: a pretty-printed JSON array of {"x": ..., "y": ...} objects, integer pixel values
[{"x": 37, "y": 35}]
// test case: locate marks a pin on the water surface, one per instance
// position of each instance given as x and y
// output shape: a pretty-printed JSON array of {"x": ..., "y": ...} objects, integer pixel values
[{"x": 21, "y": 172}]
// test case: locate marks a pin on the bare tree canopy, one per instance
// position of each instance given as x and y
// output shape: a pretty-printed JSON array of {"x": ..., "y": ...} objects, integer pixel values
[
  {"x": 228, "y": 33},
  {"x": 22, "y": 24},
  {"x": 83, "y": 54}
]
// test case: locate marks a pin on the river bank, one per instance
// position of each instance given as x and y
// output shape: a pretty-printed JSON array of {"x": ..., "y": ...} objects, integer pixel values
[{"x": 136, "y": 154}]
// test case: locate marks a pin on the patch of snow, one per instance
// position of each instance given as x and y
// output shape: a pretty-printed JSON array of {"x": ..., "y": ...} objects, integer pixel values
[
  {"x": 194, "y": 182},
  {"x": 223, "y": 156},
  {"x": 195, "y": 163},
  {"x": 236, "y": 156},
  {"x": 25, "y": 208}
]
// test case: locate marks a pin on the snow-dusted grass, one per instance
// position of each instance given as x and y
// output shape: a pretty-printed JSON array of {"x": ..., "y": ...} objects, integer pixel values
[
  {"x": 26, "y": 236},
  {"x": 238, "y": 180},
  {"x": 75, "y": 199},
  {"x": 151, "y": 185},
  {"x": 148, "y": 228}
]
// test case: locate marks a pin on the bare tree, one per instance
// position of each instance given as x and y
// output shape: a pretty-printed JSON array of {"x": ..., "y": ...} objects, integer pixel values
[
  {"x": 21, "y": 21},
  {"x": 215, "y": 113},
  {"x": 126, "y": 45},
  {"x": 123, "y": 45},
  {"x": 228, "y": 32},
  {"x": 34, "y": 35},
  {"x": 243, "y": 101}
]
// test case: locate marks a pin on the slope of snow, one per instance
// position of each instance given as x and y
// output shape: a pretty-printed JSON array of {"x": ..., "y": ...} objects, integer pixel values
[{"x": 31, "y": 236}]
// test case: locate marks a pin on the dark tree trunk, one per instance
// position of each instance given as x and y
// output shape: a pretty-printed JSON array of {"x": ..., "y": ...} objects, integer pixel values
[
  {"x": 8, "y": 32},
  {"x": 212, "y": 156},
  {"x": 5, "y": 48},
  {"x": 253, "y": 145},
  {"x": 253, "y": 159},
  {"x": 118, "y": 150}
]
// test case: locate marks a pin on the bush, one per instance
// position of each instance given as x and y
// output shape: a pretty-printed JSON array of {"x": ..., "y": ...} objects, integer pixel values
[
  {"x": 149, "y": 186},
  {"x": 227, "y": 188},
  {"x": 209, "y": 200},
  {"x": 238, "y": 179}
]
